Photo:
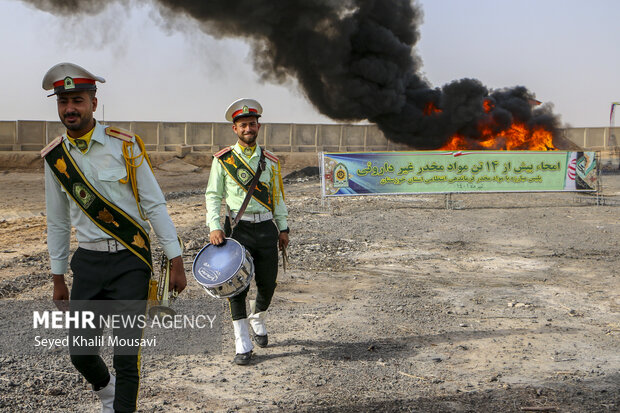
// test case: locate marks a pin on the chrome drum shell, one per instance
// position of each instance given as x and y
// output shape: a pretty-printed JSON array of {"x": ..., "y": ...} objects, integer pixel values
[{"x": 223, "y": 270}]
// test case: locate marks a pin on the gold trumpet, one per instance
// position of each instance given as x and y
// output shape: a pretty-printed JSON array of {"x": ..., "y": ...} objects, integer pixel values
[{"x": 160, "y": 297}]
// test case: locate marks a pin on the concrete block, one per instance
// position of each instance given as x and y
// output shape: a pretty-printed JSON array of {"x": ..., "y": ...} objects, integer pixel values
[
  {"x": 262, "y": 136},
  {"x": 278, "y": 134},
  {"x": 353, "y": 135},
  {"x": 171, "y": 133},
  {"x": 329, "y": 135},
  {"x": 280, "y": 148},
  {"x": 147, "y": 131},
  {"x": 304, "y": 135},
  {"x": 576, "y": 135},
  {"x": 374, "y": 136},
  {"x": 31, "y": 133},
  {"x": 202, "y": 148},
  {"x": 199, "y": 133},
  {"x": 8, "y": 135},
  {"x": 595, "y": 137},
  {"x": 53, "y": 130},
  {"x": 183, "y": 150},
  {"x": 223, "y": 134},
  {"x": 300, "y": 148}
]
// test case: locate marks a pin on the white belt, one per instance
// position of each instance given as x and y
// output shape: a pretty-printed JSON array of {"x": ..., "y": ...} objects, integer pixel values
[
  {"x": 267, "y": 216},
  {"x": 108, "y": 245}
]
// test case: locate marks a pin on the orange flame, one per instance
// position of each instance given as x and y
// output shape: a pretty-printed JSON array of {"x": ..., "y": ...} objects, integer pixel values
[
  {"x": 430, "y": 109},
  {"x": 455, "y": 143},
  {"x": 487, "y": 105},
  {"x": 517, "y": 137}
]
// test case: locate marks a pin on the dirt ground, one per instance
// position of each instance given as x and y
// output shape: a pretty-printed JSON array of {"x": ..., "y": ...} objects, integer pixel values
[{"x": 506, "y": 303}]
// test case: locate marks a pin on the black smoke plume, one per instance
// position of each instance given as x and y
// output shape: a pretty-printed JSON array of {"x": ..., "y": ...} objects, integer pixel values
[{"x": 355, "y": 60}]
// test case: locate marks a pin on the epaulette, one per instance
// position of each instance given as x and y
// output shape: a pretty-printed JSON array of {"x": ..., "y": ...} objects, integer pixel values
[
  {"x": 222, "y": 152},
  {"x": 270, "y": 156},
  {"x": 119, "y": 133},
  {"x": 51, "y": 146}
]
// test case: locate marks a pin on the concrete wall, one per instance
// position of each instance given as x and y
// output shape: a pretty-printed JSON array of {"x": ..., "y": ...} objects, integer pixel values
[
  {"x": 8, "y": 136},
  {"x": 279, "y": 137}
]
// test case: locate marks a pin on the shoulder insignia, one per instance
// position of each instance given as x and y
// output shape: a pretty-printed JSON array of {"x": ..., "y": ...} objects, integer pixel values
[
  {"x": 119, "y": 133},
  {"x": 51, "y": 146},
  {"x": 271, "y": 156},
  {"x": 223, "y": 151}
]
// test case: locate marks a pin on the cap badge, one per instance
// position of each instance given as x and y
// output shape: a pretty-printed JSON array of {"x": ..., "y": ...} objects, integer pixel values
[
  {"x": 69, "y": 83},
  {"x": 246, "y": 109}
]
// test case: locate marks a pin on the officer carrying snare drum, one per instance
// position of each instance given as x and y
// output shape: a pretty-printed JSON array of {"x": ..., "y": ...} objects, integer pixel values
[{"x": 258, "y": 221}]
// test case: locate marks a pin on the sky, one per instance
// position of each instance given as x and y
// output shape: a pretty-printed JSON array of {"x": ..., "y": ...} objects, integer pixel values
[{"x": 565, "y": 51}]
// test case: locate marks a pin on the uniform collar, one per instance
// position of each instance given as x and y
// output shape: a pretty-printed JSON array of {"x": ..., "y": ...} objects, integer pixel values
[
  {"x": 98, "y": 136},
  {"x": 239, "y": 149}
]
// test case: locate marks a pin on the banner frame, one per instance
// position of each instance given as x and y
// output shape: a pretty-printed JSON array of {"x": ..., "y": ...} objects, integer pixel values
[{"x": 324, "y": 195}]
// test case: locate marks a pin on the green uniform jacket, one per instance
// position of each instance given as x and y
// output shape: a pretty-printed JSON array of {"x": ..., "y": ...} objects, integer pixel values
[{"x": 222, "y": 186}]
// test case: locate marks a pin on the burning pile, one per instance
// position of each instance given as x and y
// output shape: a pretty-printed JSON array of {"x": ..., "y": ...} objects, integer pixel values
[
  {"x": 354, "y": 60},
  {"x": 518, "y": 136}
]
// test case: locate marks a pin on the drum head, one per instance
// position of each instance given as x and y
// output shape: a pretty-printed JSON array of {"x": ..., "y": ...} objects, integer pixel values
[{"x": 215, "y": 265}]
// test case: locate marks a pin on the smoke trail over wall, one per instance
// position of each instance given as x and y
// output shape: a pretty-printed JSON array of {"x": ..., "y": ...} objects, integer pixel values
[{"x": 354, "y": 60}]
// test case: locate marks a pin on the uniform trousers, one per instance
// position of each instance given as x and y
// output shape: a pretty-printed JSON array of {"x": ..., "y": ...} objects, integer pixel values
[
  {"x": 261, "y": 240},
  {"x": 98, "y": 278}
]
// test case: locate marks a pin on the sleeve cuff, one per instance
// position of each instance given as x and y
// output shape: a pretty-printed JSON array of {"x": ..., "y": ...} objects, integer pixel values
[
  {"x": 59, "y": 266},
  {"x": 172, "y": 250},
  {"x": 281, "y": 223},
  {"x": 215, "y": 225}
]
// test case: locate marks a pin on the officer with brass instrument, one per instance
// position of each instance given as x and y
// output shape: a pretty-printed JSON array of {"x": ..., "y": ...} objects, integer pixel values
[
  {"x": 262, "y": 227},
  {"x": 160, "y": 295},
  {"x": 99, "y": 180}
]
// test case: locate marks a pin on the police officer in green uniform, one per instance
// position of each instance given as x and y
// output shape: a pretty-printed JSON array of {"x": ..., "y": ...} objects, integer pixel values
[
  {"x": 262, "y": 228},
  {"x": 99, "y": 180}
]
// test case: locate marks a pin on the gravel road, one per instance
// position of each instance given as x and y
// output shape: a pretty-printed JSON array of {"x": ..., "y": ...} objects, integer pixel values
[{"x": 505, "y": 303}]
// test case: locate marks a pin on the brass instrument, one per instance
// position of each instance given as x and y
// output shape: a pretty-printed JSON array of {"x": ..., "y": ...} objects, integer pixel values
[
  {"x": 284, "y": 259},
  {"x": 160, "y": 297}
]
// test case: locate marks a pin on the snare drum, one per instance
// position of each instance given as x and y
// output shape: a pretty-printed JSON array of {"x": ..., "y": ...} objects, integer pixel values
[{"x": 223, "y": 270}]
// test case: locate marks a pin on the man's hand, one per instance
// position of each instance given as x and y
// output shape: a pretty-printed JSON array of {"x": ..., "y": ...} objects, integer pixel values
[
  {"x": 178, "y": 282},
  {"x": 216, "y": 237},
  {"x": 283, "y": 240},
  {"x": 61, "y": 292}
]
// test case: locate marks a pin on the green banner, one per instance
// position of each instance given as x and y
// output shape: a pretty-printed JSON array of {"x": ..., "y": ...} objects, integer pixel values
[{"x": 366, "y": 173}]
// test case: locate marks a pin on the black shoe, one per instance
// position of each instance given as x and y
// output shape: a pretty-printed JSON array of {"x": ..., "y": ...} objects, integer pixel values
[
  {"x": 261, "y": 341},
  {"x": 243, "y": 359}
]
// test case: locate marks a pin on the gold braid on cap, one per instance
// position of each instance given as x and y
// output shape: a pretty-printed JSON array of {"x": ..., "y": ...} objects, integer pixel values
[{"x": 132, "y": 163}]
